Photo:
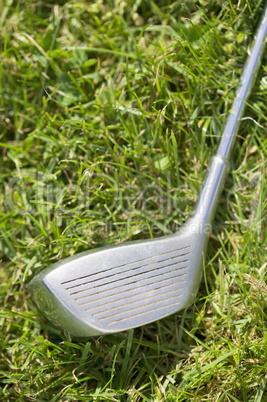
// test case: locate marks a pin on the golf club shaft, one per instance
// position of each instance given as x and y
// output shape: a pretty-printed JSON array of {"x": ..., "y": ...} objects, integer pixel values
[
  {"x": 214, "y": 183},
  {"x": 247, "y": 79}
]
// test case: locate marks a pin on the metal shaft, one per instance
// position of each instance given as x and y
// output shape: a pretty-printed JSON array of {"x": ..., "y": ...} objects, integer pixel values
[
  {"x": 214, "y": 183},
  {"x": 247, "y": 80}
]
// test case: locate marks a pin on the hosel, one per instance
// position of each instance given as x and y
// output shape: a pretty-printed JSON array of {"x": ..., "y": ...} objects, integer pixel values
[{"x": 211, "y": 191}]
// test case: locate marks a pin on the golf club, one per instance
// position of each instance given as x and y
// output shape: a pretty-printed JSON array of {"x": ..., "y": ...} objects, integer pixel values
[{"x": 116, "y": 288}]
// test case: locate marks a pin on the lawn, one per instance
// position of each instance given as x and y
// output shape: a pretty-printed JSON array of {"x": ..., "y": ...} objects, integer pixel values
[{"x": 109, "y": 114}]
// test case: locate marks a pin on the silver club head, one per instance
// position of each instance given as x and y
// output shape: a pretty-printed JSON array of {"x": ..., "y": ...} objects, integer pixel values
[
  {"x": 116, "y": 288},
  {"x": 113, "y": 289}
]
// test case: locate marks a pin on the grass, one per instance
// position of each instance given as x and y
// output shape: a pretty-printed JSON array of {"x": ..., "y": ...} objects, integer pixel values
[{"x": 109, "y": 114}]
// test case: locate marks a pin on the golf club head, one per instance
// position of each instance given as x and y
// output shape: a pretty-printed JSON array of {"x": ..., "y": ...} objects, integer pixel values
[
  {"x": 116, "y": 288},
  {"x": 113, "y": 289}
]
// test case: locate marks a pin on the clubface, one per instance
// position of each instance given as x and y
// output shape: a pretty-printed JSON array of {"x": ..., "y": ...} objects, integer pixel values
[{"x": 116, "y": 288}]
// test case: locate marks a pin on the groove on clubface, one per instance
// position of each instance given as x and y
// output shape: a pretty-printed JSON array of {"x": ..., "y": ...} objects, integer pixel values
[
  {"x": 131, "y": 303},
  {"x": 119, "y": 310},
  {"x": 143, "y": 269},
  {"x": 137, "y": 277},
  {"x": 148, "y": 287},
  {"x": 121, "y": 267},
  {"x": 100, "y": 280},
  {"x": 139, "y": 314},
  {"x": 119, "y": 293},
  {"x": 134, "y": 308},
  {"x": 143, "y": 289}
]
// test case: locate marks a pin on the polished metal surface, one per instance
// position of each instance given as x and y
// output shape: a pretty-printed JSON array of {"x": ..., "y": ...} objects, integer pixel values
[
  {"x": 116, "y": 288},
  {"x": 246, "y": 82},
  {"x": 211, "y": 189}
]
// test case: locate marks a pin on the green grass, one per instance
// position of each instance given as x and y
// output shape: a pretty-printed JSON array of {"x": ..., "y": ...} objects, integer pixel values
[{"x": 109, "y": 114}]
